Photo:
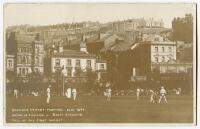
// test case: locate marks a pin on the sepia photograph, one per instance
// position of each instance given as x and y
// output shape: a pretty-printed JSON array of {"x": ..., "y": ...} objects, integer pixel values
[{"x": 100, "y": 63}]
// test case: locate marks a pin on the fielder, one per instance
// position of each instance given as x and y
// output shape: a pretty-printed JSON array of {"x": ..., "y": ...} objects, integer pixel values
[
  {"x": 138, "y": 93},
  {"x": 15, "y": 93},
  {"x": 69, "y": 93},
  {"x": 108, "y": 84},
  {"x": 152, "y": 94},
  {"x": 74, "y": 93},
  {"x": 162, "y": 95},
  {"x": 109, "y": 94},
  {"x": 48, "y": 94}
]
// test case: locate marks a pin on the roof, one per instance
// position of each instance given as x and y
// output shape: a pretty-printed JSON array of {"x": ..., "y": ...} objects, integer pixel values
[
  {"x": 103, "y": 39},
  {"x": 163, "y": 43},
  {"x": 73, "y": 54},
  {"x": 96, "y": 39},
  {"x": 25, "y": 38},
  {"x": 152, "y": 30},
  {"x": 121, "y": 45}
]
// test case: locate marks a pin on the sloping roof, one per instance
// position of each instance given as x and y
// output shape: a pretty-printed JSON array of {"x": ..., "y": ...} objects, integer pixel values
[
  {"x": 121, "y": 46},
  {"x": 73, "y": 54}
]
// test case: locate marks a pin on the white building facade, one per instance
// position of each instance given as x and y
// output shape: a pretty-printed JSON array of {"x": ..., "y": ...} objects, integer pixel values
[
  {"x": 163, "y": 52},
  {"x": 71, "y": 64}
]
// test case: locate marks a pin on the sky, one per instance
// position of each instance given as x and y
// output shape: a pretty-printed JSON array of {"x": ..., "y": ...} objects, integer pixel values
[{"x": 46, "y": 14}]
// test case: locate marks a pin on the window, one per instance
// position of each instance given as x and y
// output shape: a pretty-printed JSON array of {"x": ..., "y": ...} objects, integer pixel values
[
  {"x": 78, "y": 63},
  {"x": 9, "y": 63},
  {"x": 23, "y": 60},
  {"x": 26, "y": 70},
  {"x": 170, "y": 59},
  {"x": 156, "y": 49},
  {"x": 88, "y": 63},
  {"x": 37, "y": 50},
  {"x": 36, "y": 60},
  {"x": 20, "y": 71},
  {"x": 23, "y": 49},
  {"x": 163, "y": 59},
  {"x": 156, "y": 59},
  {"x": 57, "y": 62},
  {"x": 163, "y": 49},
  {"x": 23, "y": 71},
  {"x": 169, "y": 49},
  {"x": 27, "y": 50},
  {"x": 102, "y": 66},
  {"x": 77, "y": 71},
  {"x": 26, "y": 59},
  {"x": 69, "y": 72},
  {"x": 69, "y": 62}
]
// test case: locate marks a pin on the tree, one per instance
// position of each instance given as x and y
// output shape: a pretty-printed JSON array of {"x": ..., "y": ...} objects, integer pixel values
[
  {"x": 35, "y": 80},
  {"x": 156, "y": 74},
  {"x": 10, "y": 76},
  {"x": 90, "y": 78}
]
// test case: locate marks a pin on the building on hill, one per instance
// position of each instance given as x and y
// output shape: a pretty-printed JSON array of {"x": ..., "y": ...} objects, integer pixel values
[
  {"x": 29, "y": 55},
  {"x": 134, "y": 24}
]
